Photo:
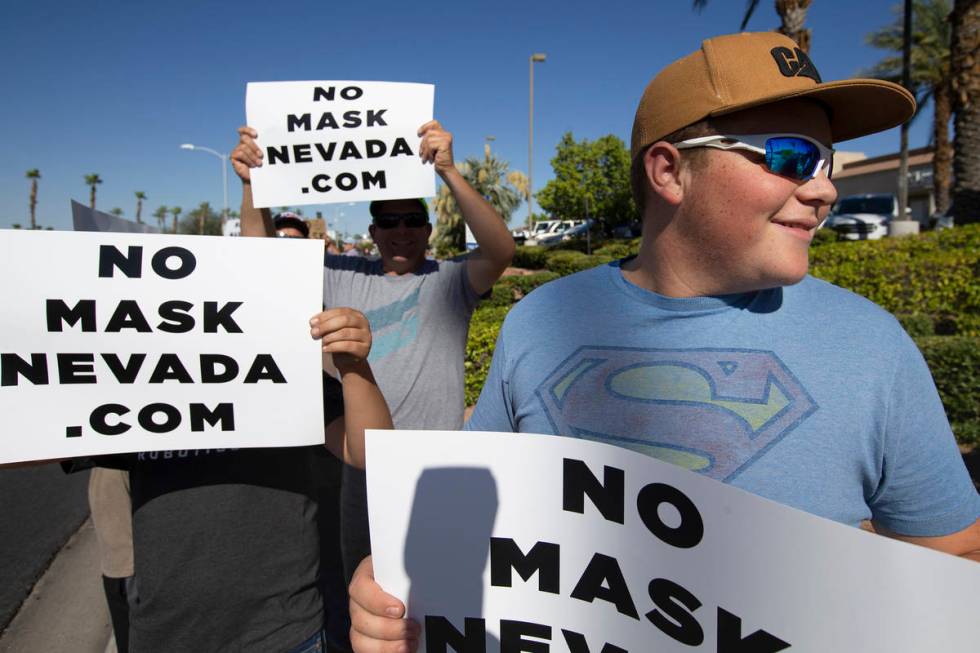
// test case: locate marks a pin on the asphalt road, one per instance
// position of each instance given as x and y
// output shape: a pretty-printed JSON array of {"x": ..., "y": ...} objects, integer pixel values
[{"x": 40, "y": 507}]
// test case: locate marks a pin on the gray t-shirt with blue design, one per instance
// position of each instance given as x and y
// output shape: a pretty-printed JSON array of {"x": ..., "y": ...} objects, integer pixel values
[{"x": 419, "y": 324}]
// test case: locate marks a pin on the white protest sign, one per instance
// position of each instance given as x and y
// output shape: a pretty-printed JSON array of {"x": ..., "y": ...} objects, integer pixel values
[
  {"x": 540, "y": 543},
  {"x": 115, "y": 343},
  {"x": 471, "y": 243},
  {"x": 338, "y": 141}
]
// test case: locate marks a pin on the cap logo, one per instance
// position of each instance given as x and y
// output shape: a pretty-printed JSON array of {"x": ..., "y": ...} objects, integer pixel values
[{"x": 795, "y": 63}]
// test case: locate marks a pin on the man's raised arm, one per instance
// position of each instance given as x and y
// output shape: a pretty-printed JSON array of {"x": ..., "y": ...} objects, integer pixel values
[
  {"x": 496, "y": 245},
  {"x": 247, "y": 155}
]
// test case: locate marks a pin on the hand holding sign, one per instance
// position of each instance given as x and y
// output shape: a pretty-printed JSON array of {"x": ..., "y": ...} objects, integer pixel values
[
  {"x": 247, "y": 154},
  {"x": 436, "y": 147},
  {"x": 344, "y": 333},
  {"x": 377, "y": 622}
]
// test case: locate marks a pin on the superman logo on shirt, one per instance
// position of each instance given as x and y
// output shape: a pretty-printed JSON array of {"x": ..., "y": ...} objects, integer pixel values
[{"x": 713, "y": 411}]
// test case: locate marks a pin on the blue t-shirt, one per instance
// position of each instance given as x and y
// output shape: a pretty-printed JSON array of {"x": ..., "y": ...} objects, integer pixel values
[{"x": 808, "y": 395}]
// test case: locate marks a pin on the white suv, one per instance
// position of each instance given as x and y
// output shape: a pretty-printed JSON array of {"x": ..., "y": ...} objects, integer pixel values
[{"x": 863, "y": 217}]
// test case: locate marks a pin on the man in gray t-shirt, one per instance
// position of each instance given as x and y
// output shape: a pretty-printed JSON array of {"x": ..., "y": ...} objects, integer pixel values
[{"x": 419, "y": 309}]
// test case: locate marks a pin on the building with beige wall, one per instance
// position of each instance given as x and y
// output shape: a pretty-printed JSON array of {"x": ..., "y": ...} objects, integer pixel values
[{"x": 880, "y": 175}]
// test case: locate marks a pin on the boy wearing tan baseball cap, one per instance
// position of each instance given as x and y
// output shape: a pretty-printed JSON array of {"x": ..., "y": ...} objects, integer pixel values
[{"x": 712, "y": 348}]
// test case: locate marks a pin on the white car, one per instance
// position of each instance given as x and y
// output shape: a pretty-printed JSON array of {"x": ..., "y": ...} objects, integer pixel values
[
  {"x": 521, "y": 236},
  {"x": 542, "y": 232},
  {"x": 578, "y": 230},
  {"x": 556, "y": 233},
  {"x": 863, "y": 217}
]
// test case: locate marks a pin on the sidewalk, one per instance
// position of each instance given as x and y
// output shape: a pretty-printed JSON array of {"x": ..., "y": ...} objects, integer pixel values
[{"x": 66, "y": 610}]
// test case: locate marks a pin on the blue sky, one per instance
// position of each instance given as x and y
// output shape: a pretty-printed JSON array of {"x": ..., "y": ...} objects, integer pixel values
[{"x": 115, "y": 87}]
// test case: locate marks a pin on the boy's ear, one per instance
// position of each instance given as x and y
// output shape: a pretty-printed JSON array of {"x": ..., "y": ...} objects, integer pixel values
[{"x": 662, "y": 168}]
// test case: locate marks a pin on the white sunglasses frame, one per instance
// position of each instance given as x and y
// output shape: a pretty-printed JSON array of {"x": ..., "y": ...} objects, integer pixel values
[{"x": 757, "y": 143}]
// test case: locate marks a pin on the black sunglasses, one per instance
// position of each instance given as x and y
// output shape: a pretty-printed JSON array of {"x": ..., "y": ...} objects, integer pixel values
[{"x": 391, "y": 220}]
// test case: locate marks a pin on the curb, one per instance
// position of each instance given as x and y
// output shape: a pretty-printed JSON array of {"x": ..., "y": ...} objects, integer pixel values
[{"x": 66, "y": 609}]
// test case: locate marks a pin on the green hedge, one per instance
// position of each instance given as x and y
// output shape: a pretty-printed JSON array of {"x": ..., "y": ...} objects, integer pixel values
[
  {"x": 967, "y": 433},
  {"x": 509, "y": 290},
  {"x": 484, "y": 328},
  {"x": 955, "y": 365},
  {"x": 486, "y": 322},
  {"x": 563, "y": 261},
  {"x": 824, "y": 236},
  {"x": 618, "y": 249},
  {"x": 530, "y": 258},
  {"x": 931, "y": 278}
]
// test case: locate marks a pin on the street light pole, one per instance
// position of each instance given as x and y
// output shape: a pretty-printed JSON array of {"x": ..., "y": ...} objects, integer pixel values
[
  {"x": 224, "y": 173},
  {"x": 536, "y": 57}
]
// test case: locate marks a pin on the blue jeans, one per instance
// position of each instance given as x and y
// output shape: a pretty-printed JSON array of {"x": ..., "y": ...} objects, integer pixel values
[{"x": 315, "y": 644}]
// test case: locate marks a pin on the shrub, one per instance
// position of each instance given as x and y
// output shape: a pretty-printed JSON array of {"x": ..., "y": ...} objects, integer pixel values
[
  {"x": 917, "y": 325},
  {"x": 823, "y": 236},
  {"x": 522, "y": 285},
  {"x": 512, "y": 289},
  {"x": 955, "y": 365},
  {"x": 617, "y": 249},
  {"x": 564, "y": 262},
  {"x": 967, "y": 433},
  {"x": 530, "y": 258},
  {"x": 934, "y": 274},
  {"x": 484, "y": 328},
  {"x": 577, "y": 245}
]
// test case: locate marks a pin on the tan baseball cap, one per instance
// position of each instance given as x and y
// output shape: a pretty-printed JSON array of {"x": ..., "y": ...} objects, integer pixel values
[{"x": 738, "y": 71}]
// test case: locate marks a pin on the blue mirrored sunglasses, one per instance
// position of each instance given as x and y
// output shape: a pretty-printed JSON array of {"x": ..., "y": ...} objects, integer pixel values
[{"x": 791, "y": 155}]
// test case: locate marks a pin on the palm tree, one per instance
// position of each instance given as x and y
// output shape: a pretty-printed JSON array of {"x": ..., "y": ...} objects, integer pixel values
[
  {"x": 446, "y": 238},
  {"x": 930, "y": 77},
  {"x": 175, "y": 210},
  {"x": 491, "y": 179},
  {"x": 792, "y": 16},
  {"x": 140, "y": 196},
  {"x": 116, "y": 211},
  {"x": 33, "y": 174},
  {"x": 203, "y": 211},
  {"x": 160, "y": 214},
  {"x": 92, "y": 180},
  {"x": 966, "y": 105},
  {"x": 521, "y": 184}
]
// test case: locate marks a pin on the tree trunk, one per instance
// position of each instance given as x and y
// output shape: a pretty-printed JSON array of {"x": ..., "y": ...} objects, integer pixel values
[
  {"x": 91, "y": 197},
  {"x": 139, "y": 210},
  {"x": 792, "y": 14},
  {"x": 33, "y": 203},
  {"x": 942, "y": 162},
  {"x": 965, "y": 69}
]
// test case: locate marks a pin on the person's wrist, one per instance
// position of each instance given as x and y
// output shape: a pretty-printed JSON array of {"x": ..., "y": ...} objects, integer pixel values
[
  {"x": 349, "y": 364},
  {"x": 448, "y": 172}
]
